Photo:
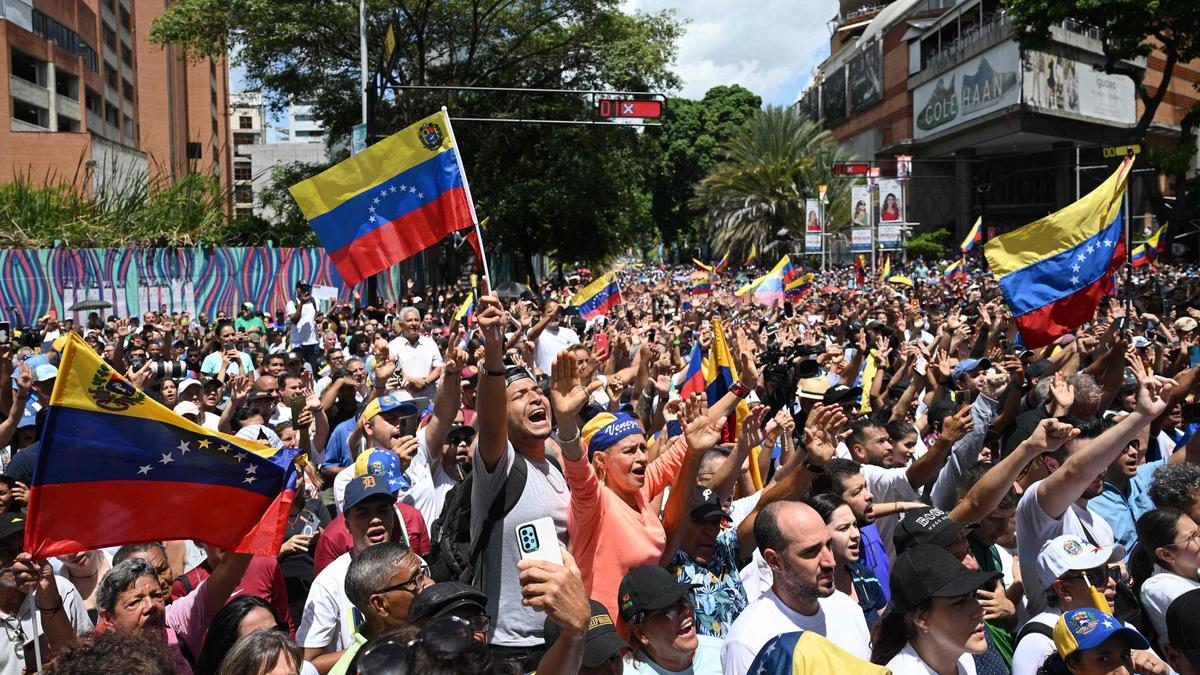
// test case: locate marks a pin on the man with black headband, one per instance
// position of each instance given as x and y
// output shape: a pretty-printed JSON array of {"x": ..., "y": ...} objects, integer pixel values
[{"x": 514, "y": 423}]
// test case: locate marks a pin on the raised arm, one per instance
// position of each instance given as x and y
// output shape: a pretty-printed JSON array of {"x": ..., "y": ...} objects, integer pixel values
[
  {"x": 1060, "y": 489},
  {"x": 927, "y": 466},
  {"x": 702, "y": 434},
  {"x": 492, "y": 399},
  {"x": 447, "y": 401}
]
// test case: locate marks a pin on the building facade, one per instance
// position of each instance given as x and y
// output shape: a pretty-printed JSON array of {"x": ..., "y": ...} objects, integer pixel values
[
  {"x": 993, "y": 129},
  {"x": 248, "y": 122},
  {"x": 90, "y": 99}
]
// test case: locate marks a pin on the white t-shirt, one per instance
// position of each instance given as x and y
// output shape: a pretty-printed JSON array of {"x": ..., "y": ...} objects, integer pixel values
[
  {"x": 304, "y": 331},
  {"x": 410, "y": 496},
  {"x": 328, "y": 621},
  {"x": 1032, "y": 650},
  {"x": 550, "y": 343},
  {"x": 1157, "y": 594},
  {"x": 1035, "y": 527},
  {"x": 909, "y": 662},
  {"x": 430, "y": 482},
  {"x": 12, "y": 655},
  {"x": 889, "y": 485},
  {"x": 417, "y": 360},
  {"x": 839, "y": 619},
  {"x": 707, "y": 661}
]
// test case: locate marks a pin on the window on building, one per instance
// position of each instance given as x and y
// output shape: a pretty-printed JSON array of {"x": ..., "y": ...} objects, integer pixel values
[
  {"x": 126, "y": 55},
  {"x": 241, "y": 171},
  {"x": 67, "y": 125},
  {"x": 126, "y": 21},
  {"x": 89, "y": 56},
  {"x": 127, "y": 90},
  {"x": 110, "y": 76},
  {"x": 28, "y": 68},
  {"x": 109, "y": 36},
  {"x": 130, "y": 129},
  {"x": 245, "y": 122},
  {"x": 66, "y": 84},
  {"x": 93, "y": 102},
  {"x": 112, "y": 116},
  {"x": 194, "y": 150},
  {"x": 30, "y": 113},
  {"x": 243, "y": 139},
  {"x": 243, "y": 194}
]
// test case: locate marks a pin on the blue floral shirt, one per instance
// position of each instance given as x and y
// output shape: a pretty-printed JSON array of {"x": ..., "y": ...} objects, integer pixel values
[{"x": 719, "y": 594}]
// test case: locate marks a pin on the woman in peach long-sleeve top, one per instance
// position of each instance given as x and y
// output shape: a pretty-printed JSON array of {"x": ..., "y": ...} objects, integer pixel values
[{"x": 612, "y": 524}]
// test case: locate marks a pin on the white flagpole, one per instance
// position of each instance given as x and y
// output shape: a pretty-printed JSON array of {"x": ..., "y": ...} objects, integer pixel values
[
  {"x": 37, "y": 629},
  {"x": 487, "y": 274}
]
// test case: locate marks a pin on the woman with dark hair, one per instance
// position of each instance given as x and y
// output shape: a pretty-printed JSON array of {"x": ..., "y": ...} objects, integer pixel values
[
  {"x": 1164, "y": 563},
  {"x": 935, "y": 622},
  {"x": 265, "y": 652},
  {"x": 237, "y": 619},
  {"x": 1090, "y": 642},
  {"x": 8, "y": 500},
  {"x": 890, "y": 210},
  {"x": 849, "y": 576}
]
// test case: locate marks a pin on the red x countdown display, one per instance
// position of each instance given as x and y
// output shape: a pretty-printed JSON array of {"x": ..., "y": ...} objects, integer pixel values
[{"x": 609, "y": 108}]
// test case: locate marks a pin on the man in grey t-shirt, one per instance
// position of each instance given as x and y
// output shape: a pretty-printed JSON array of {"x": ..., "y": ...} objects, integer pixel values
[{"x": 514, "y": 422}]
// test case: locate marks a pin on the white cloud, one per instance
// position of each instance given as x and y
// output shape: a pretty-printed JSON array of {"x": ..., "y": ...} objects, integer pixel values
[{"x": 770, "y": 46}]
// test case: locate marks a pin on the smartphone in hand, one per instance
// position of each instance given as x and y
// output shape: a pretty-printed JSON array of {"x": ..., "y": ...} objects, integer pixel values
[{"x": 538, "y": 540}]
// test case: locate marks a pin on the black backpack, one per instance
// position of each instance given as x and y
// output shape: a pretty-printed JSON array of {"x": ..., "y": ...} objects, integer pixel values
[{"x": 453, "y": 556}]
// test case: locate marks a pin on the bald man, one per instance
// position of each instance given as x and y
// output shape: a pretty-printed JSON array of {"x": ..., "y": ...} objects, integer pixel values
[{"x": 793, "y": 540}]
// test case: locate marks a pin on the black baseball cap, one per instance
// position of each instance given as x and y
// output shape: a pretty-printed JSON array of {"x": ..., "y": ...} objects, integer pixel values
[
  {"x": 11, "y": 523},
  {"x": 1183, "y": 625},
  {"x": 924, "y": 571},
  {"x": 1037, "y": 368},
  {"x": 459, "y": 434},
  {"x": 840, "y": 393},
  {"x": 707, "y": 504},
  {"x": 601, "y": 642},
  {"x": 649, "y": 588},
  {"x": 365, "y": 487},
  {"x": 443, "y": 598},
  {"x": 929, "y": 525}
]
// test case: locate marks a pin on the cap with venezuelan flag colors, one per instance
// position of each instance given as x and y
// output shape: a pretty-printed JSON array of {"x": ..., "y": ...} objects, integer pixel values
[
  {"x": 1088, "y": 628},
  {"x": 604, "y": 430}
]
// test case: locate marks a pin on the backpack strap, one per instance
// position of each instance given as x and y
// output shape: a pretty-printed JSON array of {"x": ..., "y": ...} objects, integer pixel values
[
  {"x": 505, "y": 501},
  {"x": 1032, "y": 628}
]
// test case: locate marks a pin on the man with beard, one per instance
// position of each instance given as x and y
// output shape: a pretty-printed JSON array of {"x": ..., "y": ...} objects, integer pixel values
[
  {"x": 794, "y": 541},
  {"x": 1058, "y": 504},
  {"x": 514, "y": 423},
  {"x": 328, "y": 626}
]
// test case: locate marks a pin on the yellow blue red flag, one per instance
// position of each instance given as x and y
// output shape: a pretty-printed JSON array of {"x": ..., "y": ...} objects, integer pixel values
[
  {"x": 117, "y": 467},
  {"x": 1053, "y": 272},
  {"x": 770, "y": 287},
  {"x": 598, "y": 297},
  {"x": 974, "y": 235},
  {"x": 389, "y": 202},
  {"x": 720, "y": 372}
]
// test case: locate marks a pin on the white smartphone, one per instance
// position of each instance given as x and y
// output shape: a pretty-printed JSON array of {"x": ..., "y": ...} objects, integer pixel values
[{"x": 538, "y": 540}]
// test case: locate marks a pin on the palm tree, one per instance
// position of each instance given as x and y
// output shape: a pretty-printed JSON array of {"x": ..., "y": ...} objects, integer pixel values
[{"x": 756, "y": 193}]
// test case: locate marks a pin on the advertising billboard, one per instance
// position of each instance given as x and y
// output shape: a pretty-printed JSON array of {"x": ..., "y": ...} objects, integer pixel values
[
  {"x": 979, "y": 86},
  {"x": 866, "y": 77},
  {"x": 1058, "y": 85},
  {"x": 860, "y": 202},
  {"x": 833, "y": 96},
  {"x": 891, "y": 201}
]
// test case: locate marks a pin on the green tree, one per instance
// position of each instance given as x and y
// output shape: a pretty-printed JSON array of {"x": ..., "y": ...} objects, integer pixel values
[
  {"x": 755, "y": 194},
  {"x": 687, "y": 145},
  {"x": 541, "y": 192},
  {"x": 1133, "y": 30},
  {"x": 930, "y": 244}
]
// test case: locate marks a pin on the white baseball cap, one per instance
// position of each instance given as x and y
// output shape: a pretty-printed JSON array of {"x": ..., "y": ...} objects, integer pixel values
[
  {"x": 186, "y": 383},
  {"x": 1069, "y": 552},
  {"x": 187, "y": 408}
]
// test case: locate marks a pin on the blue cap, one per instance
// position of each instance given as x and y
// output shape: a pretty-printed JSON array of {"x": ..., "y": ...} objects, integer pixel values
[
  {"x": 1087, "y": 628},
  {"x": 967, "y": 365},
  {"x": 384, "y": 464},
  {"x": 387, "y": 403},
  {"x": 365, "y": 487}
]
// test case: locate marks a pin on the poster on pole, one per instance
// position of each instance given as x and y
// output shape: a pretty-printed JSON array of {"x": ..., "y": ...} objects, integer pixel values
[
  {"x": 891, "y": 201},
  {"x": 812, "y": 220},
  {"x": 860, "y": 200},
  {"x": 812, "y": 243},
  {"x": 889, "y": 237},
  {"x": 860, "y": 240}
]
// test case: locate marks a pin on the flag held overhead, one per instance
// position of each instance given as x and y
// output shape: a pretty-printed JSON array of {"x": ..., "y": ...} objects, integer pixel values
[{"x": 390, "y": 201}]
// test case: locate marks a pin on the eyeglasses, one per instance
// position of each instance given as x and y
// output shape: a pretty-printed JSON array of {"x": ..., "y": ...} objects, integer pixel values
[
  {"x": 413, "y": 585},
  {"x": 16, "y": 635},
  {"x": 1099, "y": 575},
  {"x": 443, "y": 640},
  {"x": 682, "y": 605},
  {"x": 1193, "y": 537},
  {"x": 480, "y": 623}
]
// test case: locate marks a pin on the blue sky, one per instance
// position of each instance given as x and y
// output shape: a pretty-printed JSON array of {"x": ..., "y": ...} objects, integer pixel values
[{"x": 768, "y": 46}]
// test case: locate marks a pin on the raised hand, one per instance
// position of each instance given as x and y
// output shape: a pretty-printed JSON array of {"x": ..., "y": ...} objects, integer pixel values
[
  {"x": 822, "y": 430},
  {"x": 955, "y": 426},
  {"x": 1154, "y": 392},
  {"x": 1050, "y": 435},
  {"x": 568, "y": 395},
  {"x": 702, "y": 435},
  {"x": 490, "y": 319},
  {"x": 1062, "y": 392},
  {"x": 454, "y": 359}
]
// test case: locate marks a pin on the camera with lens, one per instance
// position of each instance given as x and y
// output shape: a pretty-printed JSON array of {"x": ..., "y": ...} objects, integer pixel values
[
  {"x": 168, "y": 368},
  {"x": 136, "y": 363}
]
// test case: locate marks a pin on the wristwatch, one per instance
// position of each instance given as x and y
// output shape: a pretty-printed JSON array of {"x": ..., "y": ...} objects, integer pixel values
[
  {"x": 739, "y": 390},
  {"x": 813, "y": 468}
]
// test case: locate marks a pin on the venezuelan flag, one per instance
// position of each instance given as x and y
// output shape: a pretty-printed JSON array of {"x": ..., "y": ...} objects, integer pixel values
[
  {"x": 803, "y": 652},
  {"x": 466, "y": 310},
  {"x": 956, "y": 270},
  {"x": 1053, "y": 272},
  {"x": 860, "y": 275},
  {"x": 769, "y": 288},
  {"x": 722, "y": 266},
  {"x": 752, "y": 255},
  {"x": 720, "y": 372},
  {"x": 706, "y": 268},
  {"x": 693, "y": 381},
  {"x": 598, "y": 297},
  {"x": 1149, "y": 251},
  {"x": 886, "y": 271},
  {"x": 389, "y": 202},
  {"x": 974, "y": 236},
  {"x": 118, "y": 468},
  {"x": 797, "y": 287},
  {"x": 701, "y": 284}
]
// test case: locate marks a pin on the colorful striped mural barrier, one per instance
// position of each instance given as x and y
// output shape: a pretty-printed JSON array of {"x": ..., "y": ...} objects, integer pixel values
[{"x": 202, "y": 281}]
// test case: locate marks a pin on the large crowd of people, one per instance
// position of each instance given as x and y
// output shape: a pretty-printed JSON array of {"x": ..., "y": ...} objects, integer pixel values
[{"x": 886, "y": 479}]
